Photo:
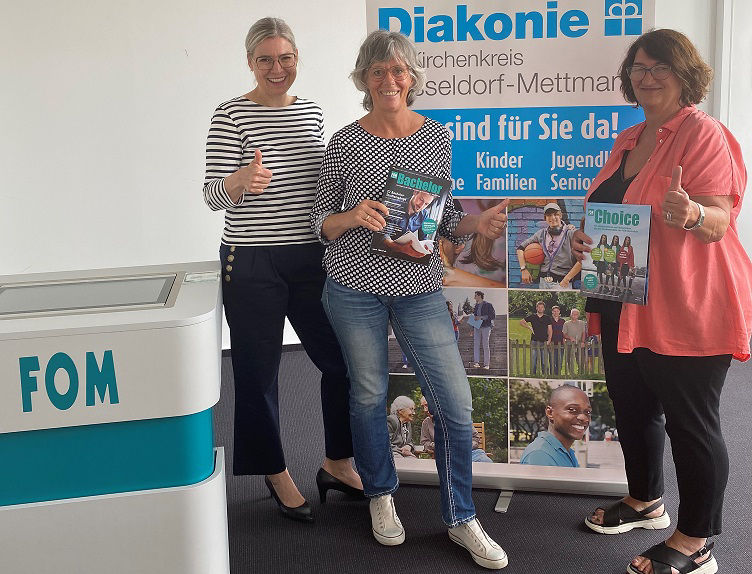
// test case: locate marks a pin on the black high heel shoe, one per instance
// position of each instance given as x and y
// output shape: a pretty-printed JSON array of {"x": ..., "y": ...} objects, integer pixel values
[
  {"x": 326, "y": 482},
  {"x": 303, "y": 513}
]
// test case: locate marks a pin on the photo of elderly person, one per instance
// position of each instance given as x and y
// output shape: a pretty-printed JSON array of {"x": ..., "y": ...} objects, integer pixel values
[
  {"x": 666, "y": 358},
  {"x": 254, "y": 139},
  {"x": 364, "y": 292},
  {"x": 568, "y": 412},
  {"x": 402, "y": 413},
  {"x": 558, "y": 269}
]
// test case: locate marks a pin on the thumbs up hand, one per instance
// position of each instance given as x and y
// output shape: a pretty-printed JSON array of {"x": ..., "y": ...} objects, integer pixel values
[
  {"x": 677, "y": 208},
  {"x": 255, "y": 177},
  {"x": 493, "y": 221}
]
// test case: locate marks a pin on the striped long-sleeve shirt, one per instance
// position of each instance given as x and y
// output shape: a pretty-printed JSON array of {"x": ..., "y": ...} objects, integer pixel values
[{"x": 291, "y": 140}]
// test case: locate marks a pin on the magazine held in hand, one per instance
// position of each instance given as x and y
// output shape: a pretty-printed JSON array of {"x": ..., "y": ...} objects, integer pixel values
[
  {"x": 616, "y": 268},
  {"x": 416, "y": 203}
]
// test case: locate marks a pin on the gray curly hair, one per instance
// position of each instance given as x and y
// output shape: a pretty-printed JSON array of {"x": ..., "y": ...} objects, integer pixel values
[
  {"x": 401, "y": 402},
  {"x": 380, "y": 46}
]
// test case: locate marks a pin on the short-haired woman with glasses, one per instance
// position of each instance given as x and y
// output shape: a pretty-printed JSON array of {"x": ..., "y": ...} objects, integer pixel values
[
  {"x": 670, "y": 357},
  {"x": 364, "y": 292},
  {"x": 263, "y": 156}
]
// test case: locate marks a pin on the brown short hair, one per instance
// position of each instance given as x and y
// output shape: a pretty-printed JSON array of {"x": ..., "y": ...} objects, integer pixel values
[{"x": 676, "y": 50}]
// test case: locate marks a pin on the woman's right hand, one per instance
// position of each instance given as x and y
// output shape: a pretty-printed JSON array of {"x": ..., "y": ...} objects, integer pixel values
[
  {"x": 525, "y": 276},
  {"x": 253, "y": 178},
  {"x": 368, "y": 214},
  {"x": 580, "y": 242}
]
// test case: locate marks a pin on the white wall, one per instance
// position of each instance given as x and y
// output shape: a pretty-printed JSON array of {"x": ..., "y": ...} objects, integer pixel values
[{"x": 105, "y": 108}]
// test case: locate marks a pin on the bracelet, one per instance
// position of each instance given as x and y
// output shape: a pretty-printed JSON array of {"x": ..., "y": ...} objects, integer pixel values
[{"x": 700, "y": 220}]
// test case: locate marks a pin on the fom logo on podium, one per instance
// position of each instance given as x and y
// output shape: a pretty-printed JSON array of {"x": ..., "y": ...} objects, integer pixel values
[{"x": 99, "y": 380}]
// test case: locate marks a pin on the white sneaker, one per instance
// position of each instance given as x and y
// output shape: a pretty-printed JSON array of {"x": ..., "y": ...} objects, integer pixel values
[
  {"x": 386, "y": 525},
  {"x": 474, "y": 539}
]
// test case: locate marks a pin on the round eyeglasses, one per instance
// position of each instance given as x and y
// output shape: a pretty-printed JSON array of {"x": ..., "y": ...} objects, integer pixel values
[
  {"x": 285, "y": 61},
  {"x": 659, "y": 72},
  {"x": 397, "y": 72}
]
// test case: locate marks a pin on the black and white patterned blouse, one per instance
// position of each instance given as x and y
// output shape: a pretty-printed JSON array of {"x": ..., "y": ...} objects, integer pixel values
[
  {"x": 355, "y": 167},
  {"x": 291, "y": 140}
]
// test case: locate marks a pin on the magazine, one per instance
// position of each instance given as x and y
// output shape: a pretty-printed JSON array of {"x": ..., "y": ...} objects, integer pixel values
[
  {"x": 616, "y": 268},
  {"x": 416, "y": 204}
]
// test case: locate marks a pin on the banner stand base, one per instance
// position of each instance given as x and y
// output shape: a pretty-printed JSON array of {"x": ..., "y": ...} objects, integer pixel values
[{"x": 505, "y": 498}]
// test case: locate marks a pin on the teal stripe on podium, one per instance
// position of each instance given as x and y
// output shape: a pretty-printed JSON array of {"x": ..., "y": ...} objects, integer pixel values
[{"x": 70, "y": 462}]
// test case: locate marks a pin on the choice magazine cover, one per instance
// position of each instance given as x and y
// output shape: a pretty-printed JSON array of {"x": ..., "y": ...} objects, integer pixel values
[{"x": 616, "y": 268}]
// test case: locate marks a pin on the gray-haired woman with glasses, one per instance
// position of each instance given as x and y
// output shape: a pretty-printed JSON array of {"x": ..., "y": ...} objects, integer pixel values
[
  {"x": 364, "y": 292},
  {"x": 263, "y": 156}
]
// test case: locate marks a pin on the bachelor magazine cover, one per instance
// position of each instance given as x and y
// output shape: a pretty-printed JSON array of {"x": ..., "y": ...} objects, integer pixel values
[
  {"x": 616, "y": 268},
  {"x": 416, "y": 204}
]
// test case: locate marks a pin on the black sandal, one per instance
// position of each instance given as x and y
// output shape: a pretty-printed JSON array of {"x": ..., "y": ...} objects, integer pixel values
[
  {"x": 663, "y": 558},
  {"x": 620, "y": 517}
]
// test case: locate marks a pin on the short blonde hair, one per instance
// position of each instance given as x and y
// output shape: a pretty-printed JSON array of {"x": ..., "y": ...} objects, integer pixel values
[{"x": 268, "y": 28}]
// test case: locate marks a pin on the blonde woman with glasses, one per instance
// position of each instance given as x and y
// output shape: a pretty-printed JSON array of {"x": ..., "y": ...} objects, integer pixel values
[{"x": 262, "y": 161}]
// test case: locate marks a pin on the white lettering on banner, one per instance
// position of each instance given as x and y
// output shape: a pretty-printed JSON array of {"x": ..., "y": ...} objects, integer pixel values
[
  {"x": 570, "y": 162},
  {"x": 508, "y": 182},
  {"x": 578, "y": 183},
  {"x": 485, "y": 160}
]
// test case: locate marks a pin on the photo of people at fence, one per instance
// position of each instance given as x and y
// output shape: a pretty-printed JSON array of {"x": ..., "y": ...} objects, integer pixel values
[
  {"x": 411, "y": 424},
  {"x": 479, "y": 318},
  {"x": 548, "y": 336},
  {"x": 480, "y": 262},
  {"x": 562, "y": 423},
  {"x": 538, "y": 243}
]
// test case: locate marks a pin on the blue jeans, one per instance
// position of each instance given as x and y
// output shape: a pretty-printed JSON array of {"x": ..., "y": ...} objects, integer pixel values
[
  {"x": 539, "y": 356},
  {"x": 479, "y": 455},
  {"x": 424, "y": 331}
]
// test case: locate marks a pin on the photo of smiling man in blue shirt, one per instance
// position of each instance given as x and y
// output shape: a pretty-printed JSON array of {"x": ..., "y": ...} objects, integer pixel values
[{"x": 569, "y": 414}]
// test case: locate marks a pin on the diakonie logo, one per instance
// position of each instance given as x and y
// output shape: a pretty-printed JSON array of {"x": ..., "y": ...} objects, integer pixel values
[{"x": 623, "y": 18}]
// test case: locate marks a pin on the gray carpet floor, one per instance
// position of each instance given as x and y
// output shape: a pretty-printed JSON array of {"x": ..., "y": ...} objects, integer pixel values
[{"x": 542, "y": 533}]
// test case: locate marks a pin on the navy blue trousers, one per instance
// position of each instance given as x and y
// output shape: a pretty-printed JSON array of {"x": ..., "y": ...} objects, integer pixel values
[
  {"x": 260, "y": 286},
  {"x": 655, "y": 395}
]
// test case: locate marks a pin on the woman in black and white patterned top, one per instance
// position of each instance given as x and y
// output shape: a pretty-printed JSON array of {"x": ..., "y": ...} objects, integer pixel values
[
  {"x": 263, "y": 156},
  {"x": 365, "y": 292}
]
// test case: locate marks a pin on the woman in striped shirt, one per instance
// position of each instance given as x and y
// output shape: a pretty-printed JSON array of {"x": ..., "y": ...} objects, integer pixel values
[{"x": 263, "y": 156}]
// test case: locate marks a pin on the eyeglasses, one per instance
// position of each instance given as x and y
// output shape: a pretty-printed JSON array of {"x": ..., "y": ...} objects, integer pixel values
[
  {"x": 285, "y": 60},
  {"x": 659, "y": 72},
  {"x": 397, "y": 72}
]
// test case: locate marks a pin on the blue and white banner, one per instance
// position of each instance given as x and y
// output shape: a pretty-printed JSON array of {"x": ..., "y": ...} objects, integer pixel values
[{"x": 529, "y": 89}]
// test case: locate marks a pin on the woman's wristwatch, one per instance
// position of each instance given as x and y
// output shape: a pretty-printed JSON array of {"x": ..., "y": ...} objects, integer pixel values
[{"x": 700, "y": 220}]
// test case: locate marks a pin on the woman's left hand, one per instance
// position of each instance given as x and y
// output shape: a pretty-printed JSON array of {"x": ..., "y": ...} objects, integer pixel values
[
  {"x": 493, "y": 221},
  {"x": 678, "y": 209}
]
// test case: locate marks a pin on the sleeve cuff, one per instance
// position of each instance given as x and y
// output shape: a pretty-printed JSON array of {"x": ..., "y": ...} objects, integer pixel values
[{"x": 318, "y": 224}]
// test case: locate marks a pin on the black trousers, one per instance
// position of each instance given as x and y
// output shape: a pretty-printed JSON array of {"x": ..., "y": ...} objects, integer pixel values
[
  {"x": 654, "y": 393},
  {"x": 260, "y": 286}
]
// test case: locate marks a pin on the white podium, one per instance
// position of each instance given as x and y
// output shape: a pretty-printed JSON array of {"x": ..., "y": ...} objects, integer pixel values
[{"x": 107, "y": 379}]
